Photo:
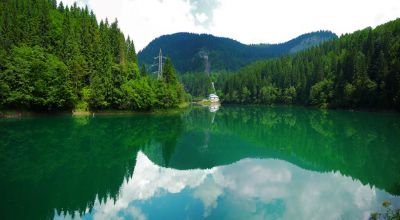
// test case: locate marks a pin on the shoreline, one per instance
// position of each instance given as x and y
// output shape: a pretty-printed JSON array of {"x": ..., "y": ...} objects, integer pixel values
[{"x": 9, "y": 114}]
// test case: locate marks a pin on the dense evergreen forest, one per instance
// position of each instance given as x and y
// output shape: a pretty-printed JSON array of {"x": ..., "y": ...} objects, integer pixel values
[
  {"x": 188, "y": 50},
  {"x": 358, "y": 70},
  {"x": 55, "y": 57}
]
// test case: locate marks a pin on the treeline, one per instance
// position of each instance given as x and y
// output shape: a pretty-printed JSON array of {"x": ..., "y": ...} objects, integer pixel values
[
  {"x": 55, "y": 57},
  {"x": 198, "y": 84},
  {"x": 358, "y": 70}
]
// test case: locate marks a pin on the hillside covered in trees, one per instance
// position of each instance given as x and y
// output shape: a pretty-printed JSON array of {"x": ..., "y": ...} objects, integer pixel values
[
  {"x": 55, "y": 57},
  {"x": 188, "y": 50},
  {"x": 358, "y": 70}
]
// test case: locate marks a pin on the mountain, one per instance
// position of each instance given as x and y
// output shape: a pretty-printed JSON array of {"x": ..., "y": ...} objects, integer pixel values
[
  {"x": 188, "y": 50},
  {"x": 358, "y": 70}
]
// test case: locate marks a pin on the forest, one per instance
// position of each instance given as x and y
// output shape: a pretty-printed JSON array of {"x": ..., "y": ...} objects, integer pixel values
[
  {"x": 359, "y": 70},
  {"x": 56, "y": 58}
]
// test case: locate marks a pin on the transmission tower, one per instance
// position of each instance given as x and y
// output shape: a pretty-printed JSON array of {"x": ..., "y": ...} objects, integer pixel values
[{"x": 160, "y": 64}]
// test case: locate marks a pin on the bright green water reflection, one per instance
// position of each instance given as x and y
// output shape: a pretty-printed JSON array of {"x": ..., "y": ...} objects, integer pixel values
[{"x": 240, "y": 162}]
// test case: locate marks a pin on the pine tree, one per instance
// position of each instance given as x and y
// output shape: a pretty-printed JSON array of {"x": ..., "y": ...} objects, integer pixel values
[{"x": 169, "y": 74}]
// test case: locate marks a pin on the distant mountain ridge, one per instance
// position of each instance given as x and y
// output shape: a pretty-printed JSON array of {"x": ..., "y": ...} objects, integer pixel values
[{"x": 187, "y": 50}]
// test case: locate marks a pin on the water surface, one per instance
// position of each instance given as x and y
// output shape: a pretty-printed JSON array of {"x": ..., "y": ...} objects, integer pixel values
[{"x": 236, "y": 163}]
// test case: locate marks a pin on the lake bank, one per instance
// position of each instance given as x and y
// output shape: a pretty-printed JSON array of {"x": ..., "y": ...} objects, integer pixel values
[
  {"x": 19, "y": 114},
  {"x": 25, "y": 113}
]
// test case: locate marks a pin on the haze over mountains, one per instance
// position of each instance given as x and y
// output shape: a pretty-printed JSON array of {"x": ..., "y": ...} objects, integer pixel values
[{"x": 188, "y": 50}]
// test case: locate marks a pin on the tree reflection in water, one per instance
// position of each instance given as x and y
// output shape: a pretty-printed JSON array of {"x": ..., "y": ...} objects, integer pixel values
[{"x": 71, "y": 164}]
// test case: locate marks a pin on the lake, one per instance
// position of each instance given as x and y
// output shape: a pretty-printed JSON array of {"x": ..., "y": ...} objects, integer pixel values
[{"x": 240, "y": 162}]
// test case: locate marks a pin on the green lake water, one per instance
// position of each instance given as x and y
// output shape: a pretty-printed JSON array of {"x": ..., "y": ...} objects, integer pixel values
[{"x": 236, "y": 163}]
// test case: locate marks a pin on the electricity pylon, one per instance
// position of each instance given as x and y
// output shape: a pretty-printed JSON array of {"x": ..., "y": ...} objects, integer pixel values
[{"x": 160, "y": 64}]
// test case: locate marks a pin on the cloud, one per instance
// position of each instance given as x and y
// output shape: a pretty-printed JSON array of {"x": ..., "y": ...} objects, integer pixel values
[
  {"x": 208, "y": 192},
  {"x": 147, "y": 181},
  {"x": 249, "y": 21},
  {"x": 136, "y": 213},
  {"x": 260, "y": 21},
  {"x": 267, "y": 182},
  {"x": 144, "y": 20},
  {"x": 201, "y": 17},
  {"x": 303, "y": 194},
  {"x": 203, "y": 11}
]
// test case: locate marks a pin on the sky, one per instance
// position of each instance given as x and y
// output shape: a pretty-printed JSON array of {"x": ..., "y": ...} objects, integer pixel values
[{"x": 248, "y": 21}]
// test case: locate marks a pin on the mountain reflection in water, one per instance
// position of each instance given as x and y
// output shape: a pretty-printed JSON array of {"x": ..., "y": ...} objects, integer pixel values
[{"x": 247, "y": 189}]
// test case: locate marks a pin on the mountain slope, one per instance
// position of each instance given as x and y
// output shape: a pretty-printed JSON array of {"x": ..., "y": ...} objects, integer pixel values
[
  {"x": 358, "y": 70},
  {"x": 188, "y": 50}
]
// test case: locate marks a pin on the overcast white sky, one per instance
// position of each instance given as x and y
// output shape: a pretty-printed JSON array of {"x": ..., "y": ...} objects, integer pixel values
[{"x": 248, "y": 21}]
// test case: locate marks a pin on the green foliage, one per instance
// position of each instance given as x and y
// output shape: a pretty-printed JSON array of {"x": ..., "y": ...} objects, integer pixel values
[
  {"x": 166, "y": 95},
  {"x": 197, "y": 84},
  {"x": 143, "y": 70},
  {"x": 35, "y": 80},
  {"x": 322, "y": 92},
  {"x": 139, "y": 94},
  {"x": 269, "y": 94},
  {"x": 289, "y": 95},
  {"x": 169, "y": 73},
  {"x": 169, "y": 95},
  {"x": 359, "y": 70},
  {"x": 244, "y": 94},
  {"x": 59, "y": 58}
]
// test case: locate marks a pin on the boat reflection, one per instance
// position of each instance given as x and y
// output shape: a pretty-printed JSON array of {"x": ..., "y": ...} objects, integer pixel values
[{"x": 214, "y": 107}]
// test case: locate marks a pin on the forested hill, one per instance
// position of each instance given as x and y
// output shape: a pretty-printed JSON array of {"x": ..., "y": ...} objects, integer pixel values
[
  {"x": 187, "y": 50},
  {"x": 54, "y": 57},
  {"x": 358, "y": 70}
]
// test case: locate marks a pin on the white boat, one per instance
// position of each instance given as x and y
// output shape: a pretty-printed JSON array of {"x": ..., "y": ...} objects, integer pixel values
[{"x": 213, "y": 98}]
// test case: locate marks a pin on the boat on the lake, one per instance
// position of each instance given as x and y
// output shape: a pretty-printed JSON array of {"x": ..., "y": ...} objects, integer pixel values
[{"x": 213, "y": 98}]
